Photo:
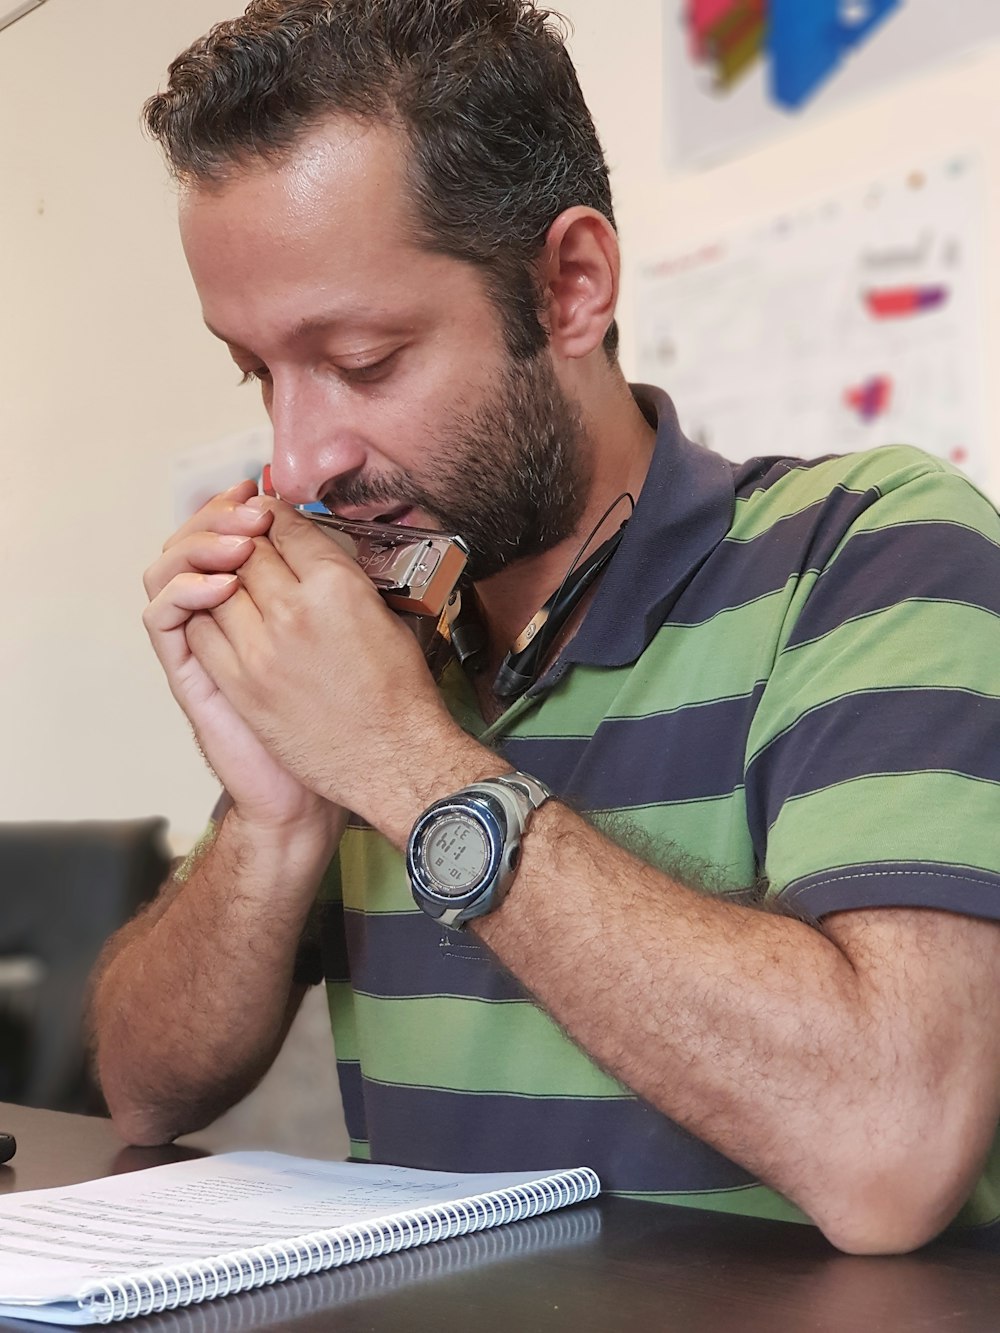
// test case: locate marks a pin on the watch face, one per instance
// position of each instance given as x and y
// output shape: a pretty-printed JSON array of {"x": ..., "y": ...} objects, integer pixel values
[{"x": 456, "y": 853}]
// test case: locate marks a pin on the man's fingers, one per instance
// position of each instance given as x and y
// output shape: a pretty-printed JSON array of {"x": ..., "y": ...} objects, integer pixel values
[
  {"x": 167, "y": 616},
  {"x": 303, "y": 544},
  {"x": 227, "y": 512},
  {"x": 266, "y": 577},
  {"x": 200, "y": 552},
  {"x": 210, "y": 647},
  {"x": 184, "y": 595}
]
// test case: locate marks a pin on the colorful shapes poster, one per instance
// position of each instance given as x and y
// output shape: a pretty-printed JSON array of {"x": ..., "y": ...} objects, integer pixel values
[
  {"x": 850, "y": 323},
  {"x": 737, "y": 71}
]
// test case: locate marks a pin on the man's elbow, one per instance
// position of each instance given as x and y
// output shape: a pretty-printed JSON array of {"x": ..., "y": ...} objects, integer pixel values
[
  {"x": 897, "y": 1207},
  {"x": 892, "y": 1228},
  {"x": 141, "y": 1123},
  {"x": 142, "y": 1128}
]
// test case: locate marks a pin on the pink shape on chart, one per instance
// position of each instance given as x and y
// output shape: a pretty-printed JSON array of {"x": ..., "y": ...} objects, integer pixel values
[{"x": 702, "y": 16}]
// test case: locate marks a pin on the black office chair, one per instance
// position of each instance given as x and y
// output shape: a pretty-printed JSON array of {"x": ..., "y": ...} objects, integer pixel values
[{"x": 64, "y": 888}]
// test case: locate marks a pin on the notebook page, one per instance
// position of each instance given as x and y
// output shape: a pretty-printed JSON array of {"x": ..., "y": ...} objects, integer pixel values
[{"x": 55, "y": 1242}]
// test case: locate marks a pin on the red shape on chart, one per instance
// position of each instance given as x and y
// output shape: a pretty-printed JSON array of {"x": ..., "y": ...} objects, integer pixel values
[{"x": 899, "y": 302}]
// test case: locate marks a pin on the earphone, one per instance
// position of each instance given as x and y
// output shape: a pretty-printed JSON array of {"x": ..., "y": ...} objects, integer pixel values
[{"x": 521, "y": 666}]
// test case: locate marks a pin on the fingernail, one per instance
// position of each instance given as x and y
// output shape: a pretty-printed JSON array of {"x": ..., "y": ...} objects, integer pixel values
[
  {"x": 220, "y": 580},
  {"x": 233, "y": 542},
  {"x": 259, "y": 502}
]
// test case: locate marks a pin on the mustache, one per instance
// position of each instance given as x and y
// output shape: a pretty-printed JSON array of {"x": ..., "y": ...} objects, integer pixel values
[{"x": 351, "y": 491}]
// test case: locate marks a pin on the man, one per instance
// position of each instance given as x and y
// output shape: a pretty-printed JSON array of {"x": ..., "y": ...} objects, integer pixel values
[{"x": 746, "y": 956}]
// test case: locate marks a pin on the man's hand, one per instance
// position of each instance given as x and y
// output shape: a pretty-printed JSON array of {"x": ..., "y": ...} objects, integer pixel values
[
  {"x": 196, "y": 574},
  {"x": 191, "y": 1000},
  {"x": 329, "y": 679}
]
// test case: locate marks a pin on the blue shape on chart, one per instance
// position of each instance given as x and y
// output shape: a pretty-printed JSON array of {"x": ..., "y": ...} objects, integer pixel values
[{"x": 807, "y": 39}]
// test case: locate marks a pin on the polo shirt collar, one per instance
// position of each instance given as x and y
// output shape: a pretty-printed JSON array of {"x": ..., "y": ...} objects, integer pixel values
[{"x": 684, "y": 510}]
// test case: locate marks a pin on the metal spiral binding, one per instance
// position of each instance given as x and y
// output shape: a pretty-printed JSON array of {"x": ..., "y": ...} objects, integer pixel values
[{"x": 243, "y": 1270}]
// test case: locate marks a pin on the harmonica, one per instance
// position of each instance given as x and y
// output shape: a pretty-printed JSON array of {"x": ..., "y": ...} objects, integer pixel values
[{"x": 414, "y": 569}]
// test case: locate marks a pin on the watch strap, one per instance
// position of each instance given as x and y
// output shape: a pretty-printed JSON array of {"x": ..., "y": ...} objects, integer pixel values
[
  {"x": 536, "y": 792},
  {"x": 518, "y": 794}
]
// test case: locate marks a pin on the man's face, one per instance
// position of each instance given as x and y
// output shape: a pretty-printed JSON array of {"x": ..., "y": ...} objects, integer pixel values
[{"x": 382, "y": 364}]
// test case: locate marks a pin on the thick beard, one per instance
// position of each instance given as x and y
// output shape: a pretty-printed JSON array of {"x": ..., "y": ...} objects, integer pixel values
[{"x": 510, "y": 478}]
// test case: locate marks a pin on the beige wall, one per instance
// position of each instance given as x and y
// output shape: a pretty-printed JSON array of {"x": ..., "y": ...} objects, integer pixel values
[{"x": 105, "y": 372}]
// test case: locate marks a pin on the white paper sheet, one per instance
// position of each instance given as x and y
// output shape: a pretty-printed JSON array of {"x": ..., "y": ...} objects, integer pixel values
[{"x": 55, "y": 1243}]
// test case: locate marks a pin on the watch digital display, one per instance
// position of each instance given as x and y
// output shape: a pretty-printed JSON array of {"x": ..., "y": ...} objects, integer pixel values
[{"x": 456, "y": 854}]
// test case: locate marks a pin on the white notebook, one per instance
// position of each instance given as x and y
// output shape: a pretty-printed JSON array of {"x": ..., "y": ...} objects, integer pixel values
[{"x": 154, "y": 1240}]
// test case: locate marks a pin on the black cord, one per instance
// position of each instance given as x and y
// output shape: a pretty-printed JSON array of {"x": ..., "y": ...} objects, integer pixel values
[{"x": 520, "y": 668}]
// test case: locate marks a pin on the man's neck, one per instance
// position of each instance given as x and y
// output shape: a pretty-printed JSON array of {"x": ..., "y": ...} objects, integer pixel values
[{"x": 621, "y": 440}]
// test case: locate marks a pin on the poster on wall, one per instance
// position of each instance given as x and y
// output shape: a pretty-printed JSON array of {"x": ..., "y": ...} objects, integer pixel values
[
  {"x": 851, "y": 323},
  {"x": 738, "y": 71}
]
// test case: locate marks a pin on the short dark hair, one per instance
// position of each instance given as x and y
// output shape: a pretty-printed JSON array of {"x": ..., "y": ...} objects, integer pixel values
[{"x": 501, "y": 140}]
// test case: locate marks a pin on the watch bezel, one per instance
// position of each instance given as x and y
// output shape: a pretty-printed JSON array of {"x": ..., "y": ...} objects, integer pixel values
[{"x": 488, "y": 813}]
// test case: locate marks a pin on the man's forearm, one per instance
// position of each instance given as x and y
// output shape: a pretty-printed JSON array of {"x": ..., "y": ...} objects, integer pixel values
[
  {"x": 193, "y": 999},
  {"x": 757, "y": 1032}
]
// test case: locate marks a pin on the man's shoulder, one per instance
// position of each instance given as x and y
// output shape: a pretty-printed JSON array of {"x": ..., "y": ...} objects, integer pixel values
[{"x": 895, "y": 483}]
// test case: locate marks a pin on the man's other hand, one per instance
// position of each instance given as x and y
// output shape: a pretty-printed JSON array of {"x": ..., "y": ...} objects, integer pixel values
[
  {"x": 195, "y": 575},
  {"x": 330, "y": 680}
]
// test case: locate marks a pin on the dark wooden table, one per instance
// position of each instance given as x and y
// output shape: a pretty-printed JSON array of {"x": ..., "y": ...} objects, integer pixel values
[{"x": 605, "y": 1267}]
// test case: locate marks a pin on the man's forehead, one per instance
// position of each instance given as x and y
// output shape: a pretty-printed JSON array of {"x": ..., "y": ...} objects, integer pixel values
[
  {"x": 340, "y": 165},
  {"x": 325, "y": 239}
]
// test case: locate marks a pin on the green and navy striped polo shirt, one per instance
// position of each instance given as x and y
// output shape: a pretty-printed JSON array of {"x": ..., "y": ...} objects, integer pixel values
[{"x": 787, "y": 685}]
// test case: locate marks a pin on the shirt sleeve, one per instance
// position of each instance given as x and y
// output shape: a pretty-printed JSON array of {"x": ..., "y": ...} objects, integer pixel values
[{"x": 873, "y": 773}]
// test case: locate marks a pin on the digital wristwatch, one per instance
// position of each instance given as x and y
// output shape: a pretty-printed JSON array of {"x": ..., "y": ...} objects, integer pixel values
[{"x": 464, "y": 849}]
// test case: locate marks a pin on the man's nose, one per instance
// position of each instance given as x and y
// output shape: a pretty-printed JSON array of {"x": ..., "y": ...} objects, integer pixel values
[{"x": 314, "y": 441}]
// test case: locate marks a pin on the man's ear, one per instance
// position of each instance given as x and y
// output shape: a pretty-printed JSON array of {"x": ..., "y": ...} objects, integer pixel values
[{"x": 579, "y": 278}]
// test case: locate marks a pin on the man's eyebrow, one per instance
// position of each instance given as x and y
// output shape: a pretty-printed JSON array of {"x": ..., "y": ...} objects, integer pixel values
[{"x": 305, "y": 328}]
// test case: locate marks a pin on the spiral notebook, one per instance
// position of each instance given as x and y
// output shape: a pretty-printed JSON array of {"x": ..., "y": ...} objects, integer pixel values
[{"x": 169, "y": 1236}]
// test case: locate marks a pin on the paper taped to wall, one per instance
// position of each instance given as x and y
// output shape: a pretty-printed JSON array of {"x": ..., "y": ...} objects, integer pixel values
[{"x": 851, "y": 323}]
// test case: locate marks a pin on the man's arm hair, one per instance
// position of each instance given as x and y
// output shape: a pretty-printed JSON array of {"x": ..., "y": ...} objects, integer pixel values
[
  {"x": 853, "y": 1069},
  {"x": 192, "y": 999}
]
